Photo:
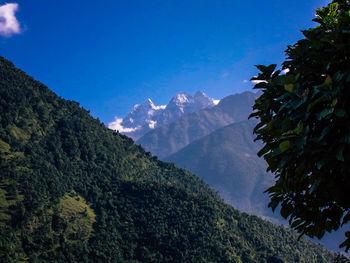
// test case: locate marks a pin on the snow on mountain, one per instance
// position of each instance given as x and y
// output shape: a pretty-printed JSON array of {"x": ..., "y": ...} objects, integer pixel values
[
  {"x": 183, "y": 103},
  {"x": 147, "y": 116},
  {"x": 142, "y": 114}
]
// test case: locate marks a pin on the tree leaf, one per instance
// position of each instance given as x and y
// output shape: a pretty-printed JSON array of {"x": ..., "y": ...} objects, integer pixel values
[
  {"x": 289, "y": 87},
  {"x": 284, "y": 146},
  {"x": 339, "y": 155}
]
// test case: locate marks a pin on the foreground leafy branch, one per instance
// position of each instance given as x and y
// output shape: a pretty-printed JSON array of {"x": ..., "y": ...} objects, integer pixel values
[{"x": 305, "y": 126}]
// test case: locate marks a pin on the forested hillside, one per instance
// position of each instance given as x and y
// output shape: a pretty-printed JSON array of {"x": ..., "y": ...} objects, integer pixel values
[{"x": 72, "y": 190}]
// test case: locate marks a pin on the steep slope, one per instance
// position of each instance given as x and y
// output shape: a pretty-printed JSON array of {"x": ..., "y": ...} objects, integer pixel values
[
  {"x": 72, "y": 190},
  {"x": 168, "y": 139},
  {"x": 226, "y": 159}
]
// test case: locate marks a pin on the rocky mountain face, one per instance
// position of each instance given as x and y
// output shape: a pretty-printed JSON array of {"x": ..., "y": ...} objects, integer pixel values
[
  {"x": 146, "y": 116},
  {"x": 170, "y": 138}
]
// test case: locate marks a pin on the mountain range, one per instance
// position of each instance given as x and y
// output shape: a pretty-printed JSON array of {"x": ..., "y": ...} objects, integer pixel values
[
  {"x": 72, "y": 190},
  {"x": 168, "y": 139},
  {"x": 147, "y": 116}
]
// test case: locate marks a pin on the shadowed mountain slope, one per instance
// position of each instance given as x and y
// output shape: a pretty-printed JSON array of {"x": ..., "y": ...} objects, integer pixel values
[{"x": 226, "y": 159}]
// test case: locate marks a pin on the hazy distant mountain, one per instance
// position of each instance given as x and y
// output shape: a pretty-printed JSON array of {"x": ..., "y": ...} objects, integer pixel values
[
  {"x": 226, "y": 160},
  {"x": 147, "y": 116},
  {"x": 168, "y": 139}
]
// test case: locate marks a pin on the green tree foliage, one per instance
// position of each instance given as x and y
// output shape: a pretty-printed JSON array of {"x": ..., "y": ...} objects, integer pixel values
[
  {"x": 305, "y": 125},
  {"x": 72, "y": 190}
]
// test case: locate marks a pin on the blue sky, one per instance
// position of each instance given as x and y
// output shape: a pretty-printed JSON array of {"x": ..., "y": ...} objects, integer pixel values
[{"x": 109, "y": 54}]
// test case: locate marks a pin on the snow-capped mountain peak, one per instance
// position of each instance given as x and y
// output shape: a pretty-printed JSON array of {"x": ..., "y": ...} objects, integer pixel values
[
  {"x": 146, "y": 116},
  {"x": 142, "y": 114},
  {"x": 180, "y": 99},
  {"x": 144, "y": 105}
]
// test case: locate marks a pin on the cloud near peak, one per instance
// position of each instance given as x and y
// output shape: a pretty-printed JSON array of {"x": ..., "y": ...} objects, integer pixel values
[
  {"x": 9, "y": 24},
  {"x": 117, "y": 125}
]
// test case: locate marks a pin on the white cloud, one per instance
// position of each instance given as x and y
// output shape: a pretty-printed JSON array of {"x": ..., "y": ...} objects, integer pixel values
[
  {"x": 9, "y": 24},
  {"x": 245, "y": 81},
  {"x": 117, "y": 125}
]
